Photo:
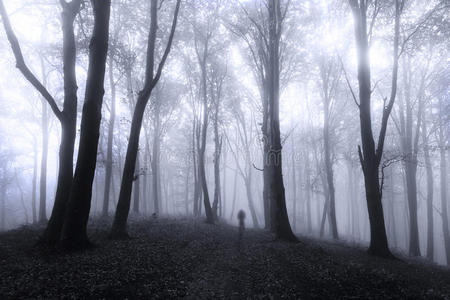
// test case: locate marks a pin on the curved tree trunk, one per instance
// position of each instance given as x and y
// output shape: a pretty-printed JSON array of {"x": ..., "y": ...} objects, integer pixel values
[
  {"x": 68, "y": 126},
  {"x": 119, "y": 227},
  {"x": 67, "y": 117}
]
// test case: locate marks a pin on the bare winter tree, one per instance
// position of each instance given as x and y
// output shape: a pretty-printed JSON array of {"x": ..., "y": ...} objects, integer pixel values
[
  {"x": 329, "y": 80},
  {"x": 370, "y": 155},
  {"x": 67, "y": 116},
  {"x": 151, "y": 79},
  {"x": 262, "y": 35}
]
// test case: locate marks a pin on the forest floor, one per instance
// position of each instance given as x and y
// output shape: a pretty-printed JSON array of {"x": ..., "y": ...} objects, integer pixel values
[{"x": 180, "y": 257}]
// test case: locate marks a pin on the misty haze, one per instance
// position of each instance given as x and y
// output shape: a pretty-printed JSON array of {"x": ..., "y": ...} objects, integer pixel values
[{"x": 224, "y": 149}]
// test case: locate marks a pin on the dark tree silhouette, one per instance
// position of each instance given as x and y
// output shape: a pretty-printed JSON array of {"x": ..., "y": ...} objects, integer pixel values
[
  {"x": 74, "y": 235},
  {"x": 151, "y": 79},
  {"x": 67, "y": 117},
  {"x": 370, "y": 155},
  {"x": 276, "y": 193}
]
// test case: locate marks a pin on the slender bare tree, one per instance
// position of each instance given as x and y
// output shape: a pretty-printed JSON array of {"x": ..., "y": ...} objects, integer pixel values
[{"x": 151, "y": 79}]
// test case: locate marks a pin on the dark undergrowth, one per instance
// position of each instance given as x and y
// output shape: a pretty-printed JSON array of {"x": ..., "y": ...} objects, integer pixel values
[{"x": 172, "y": 258}]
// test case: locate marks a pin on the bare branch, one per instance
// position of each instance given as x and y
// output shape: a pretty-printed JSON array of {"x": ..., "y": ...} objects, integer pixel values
[
  {"x": 257, "y": 168},
  {"x": 387, "y": 109},
  {"x": 168, "y": 46},
  {"x": 348, "y": 82},
  {"x": 21, "y": 65}
]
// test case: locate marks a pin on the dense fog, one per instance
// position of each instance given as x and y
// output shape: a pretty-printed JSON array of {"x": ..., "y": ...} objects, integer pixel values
[{"x": 201, "y": 96}]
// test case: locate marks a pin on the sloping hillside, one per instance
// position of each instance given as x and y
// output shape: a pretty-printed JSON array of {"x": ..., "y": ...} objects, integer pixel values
[{"x": 169, "y": 258}]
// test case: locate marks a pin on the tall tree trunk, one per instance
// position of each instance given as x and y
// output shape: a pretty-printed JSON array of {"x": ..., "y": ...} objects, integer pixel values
[
  {"x": 68, "y": 125},
  {"x": 195, "y": 168},
  {"x": 326, "y": 207},
  {"x": 223, "y": 203},
  {"x": 308, "y": 192},
  {"x": 294, "y": 185},
  {"x": 204, "y": 127},
  {"x": 165, "y": 190},
  {"x": 391, "y": 200},
  {"x": 217, "y": 151},
  {"x": 266, "y": 174},
  {"x": 119, "y": 227},
  {"x": 112, "y": 118},
  {"x": 145, "y": 177},
  {"x": 22, "y": 202},
  {"x": 276, "y": 194},
  {"x": 351, "y": 195},
  {"x": 409, "y": 147},
  {"x": 430, "y": 186},
  {"x": 74, "y": 233},
  {"x": 370, "y": 155},
  {"x": 156, "y": 176},
  {"x": 325, "y": 73},
  {"x": 356, "y": 216},
  {"x": 113, "y": 188},
  {"x": 67, "y": 117},
  {"x": 410, "y": 173},
  {"x": 186, "y": 189},
  {"x": 43, "y": 176},
  {"x": 201, "y": 152},
  {"x": 34, "y": 182},
  {"x": 329, "y": 170},
  {"x": 444, "y": 183},
  {"x": 233, "y": 205},
  {"x": 204, "y": 185},
  {"x": 251, "y": 203}
]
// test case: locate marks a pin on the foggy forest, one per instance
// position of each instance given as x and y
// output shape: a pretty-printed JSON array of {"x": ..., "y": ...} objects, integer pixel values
[{"x": 224, "y": 149}]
